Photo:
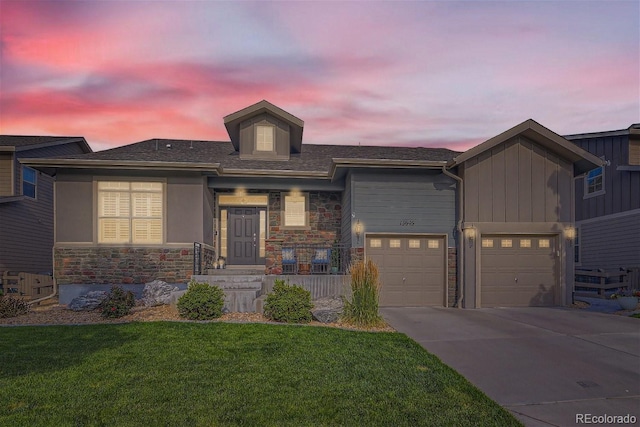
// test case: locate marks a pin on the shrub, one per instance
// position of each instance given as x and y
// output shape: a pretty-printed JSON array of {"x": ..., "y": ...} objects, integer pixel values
[
  {"x": 362, "y": 310},
  {"x": 13, "y": 307},
  {"x": 118, "y": 303},
  {"x": 288, "y": 303},
  {"x": 201, "y": 302}
]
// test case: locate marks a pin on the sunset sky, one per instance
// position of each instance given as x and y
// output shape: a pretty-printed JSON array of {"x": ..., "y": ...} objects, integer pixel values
[{"x": 424, "y": 73}]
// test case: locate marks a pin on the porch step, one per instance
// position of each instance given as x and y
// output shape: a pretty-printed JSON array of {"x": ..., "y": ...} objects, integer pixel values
[
  {"x": 237, "y": 270},
  {"x": 230, "y": 282},
  {"x": 240, "y": 290}
]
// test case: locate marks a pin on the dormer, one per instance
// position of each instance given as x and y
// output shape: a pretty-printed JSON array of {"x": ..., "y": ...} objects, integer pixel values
[{"x": 263, "y": 131}]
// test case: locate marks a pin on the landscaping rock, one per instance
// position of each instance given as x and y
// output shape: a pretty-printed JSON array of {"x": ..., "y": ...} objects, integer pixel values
[
  {"x": 88, "y": 302},
  {"x": 327, "y": 310},
  {"x": 157, "y": 293}
]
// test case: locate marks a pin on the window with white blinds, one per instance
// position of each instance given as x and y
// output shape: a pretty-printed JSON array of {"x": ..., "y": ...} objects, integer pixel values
[
  {"x": 295, "y": 211},
  {"x": 130, "y": 212},
  {"x": 264, "y": 138}
]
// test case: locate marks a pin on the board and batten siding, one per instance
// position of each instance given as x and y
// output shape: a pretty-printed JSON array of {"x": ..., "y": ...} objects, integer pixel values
[
  {"x": 621, "y": 187},
  {"x": 518, "y": 181},
  {"x": 396, "y": 202},
  {"x": 610, "y": 242}
]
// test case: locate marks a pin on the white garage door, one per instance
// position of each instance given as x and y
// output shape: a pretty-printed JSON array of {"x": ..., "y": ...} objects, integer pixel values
[
  {"x": 519, "y": 271},
  {"x": 412, "y": 269}
]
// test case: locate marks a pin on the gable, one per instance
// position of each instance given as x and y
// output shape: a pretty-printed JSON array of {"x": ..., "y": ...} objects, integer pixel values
[
  {"x": 233, "y": 123},
  {"x": 518, "y": 181}
]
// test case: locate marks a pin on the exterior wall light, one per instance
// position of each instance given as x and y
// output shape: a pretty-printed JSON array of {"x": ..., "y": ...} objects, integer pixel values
[
  {"x": 570, "y": 233},
  {"x": 358, "y": 230},
  {"x": 470, "y": 234}
]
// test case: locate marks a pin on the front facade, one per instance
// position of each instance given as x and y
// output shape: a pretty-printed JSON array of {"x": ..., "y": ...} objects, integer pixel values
[
  {"x": 26, "y": 201},
  {"x": 608, "y": 202},
  {"x": 266, "y": 200}
]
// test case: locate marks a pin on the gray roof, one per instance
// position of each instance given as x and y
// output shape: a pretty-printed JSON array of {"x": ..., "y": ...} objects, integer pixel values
[
  {"x": 28, "y": 142},
  {"x": 313, "y": 158}
]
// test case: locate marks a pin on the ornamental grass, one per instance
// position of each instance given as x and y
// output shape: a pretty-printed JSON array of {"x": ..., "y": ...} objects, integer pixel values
[{"x": 362, "y": 309}]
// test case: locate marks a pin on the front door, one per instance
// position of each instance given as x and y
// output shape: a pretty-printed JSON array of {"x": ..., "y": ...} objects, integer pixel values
[{"x": 243, "y": 232}]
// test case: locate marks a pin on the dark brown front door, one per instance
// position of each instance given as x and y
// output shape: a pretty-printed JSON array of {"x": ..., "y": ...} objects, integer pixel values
[{"x": 243, "y": 236}]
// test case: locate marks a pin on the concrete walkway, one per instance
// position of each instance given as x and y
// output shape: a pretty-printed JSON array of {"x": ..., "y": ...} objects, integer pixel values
[{"x": 545, "y": 365}]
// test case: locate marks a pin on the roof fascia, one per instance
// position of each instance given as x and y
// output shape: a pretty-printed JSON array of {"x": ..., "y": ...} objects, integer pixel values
[
  {"x": 120, "y": 164},
  {"x": 583, "y": 160},
  {"x": 272, "y": 174},
  {"x": 8, "y": 148},
  {"x": 343, "y": 163}
]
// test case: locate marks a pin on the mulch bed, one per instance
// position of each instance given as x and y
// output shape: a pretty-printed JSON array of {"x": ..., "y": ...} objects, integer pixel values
[{"x": 56, "y": 314}]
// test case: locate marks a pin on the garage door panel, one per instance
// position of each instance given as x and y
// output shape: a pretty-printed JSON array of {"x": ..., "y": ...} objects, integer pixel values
[
  {"x": 412, "y": 273},
  {"x": 522, "y": 273}
]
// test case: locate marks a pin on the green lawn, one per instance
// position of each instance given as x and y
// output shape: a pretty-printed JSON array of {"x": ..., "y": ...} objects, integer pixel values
[{"x": 196, "y": 374}]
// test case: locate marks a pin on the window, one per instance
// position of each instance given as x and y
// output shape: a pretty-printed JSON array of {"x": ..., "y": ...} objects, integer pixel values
[
  {"x": 506, "y": 243},
  {"x": 29, "y": 182},
  {"x": 375, "y": 243},
  {"x": 394, "y": 243},
  {"x": 594, "y": 182},
  {"x": 544, "y": 243},
  {"x": 433, "y": 244},
  {"x": 487, "y": 243},
  {"x": 414, "y": 244},
  {"x": 264, "y": 138},
  {"x": 295, "y": 210},
  {"x": 634, "y": 153},
  {"x": 525, "y": 243},
  {"x": 130, "y": 212}
]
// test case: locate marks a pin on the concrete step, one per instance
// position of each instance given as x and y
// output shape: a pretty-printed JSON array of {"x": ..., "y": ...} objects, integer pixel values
[
  {"x": 237, "y": 270},
  {"x": 229, "y": 282}
]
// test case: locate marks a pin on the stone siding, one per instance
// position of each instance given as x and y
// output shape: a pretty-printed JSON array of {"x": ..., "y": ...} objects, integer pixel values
[
  {"x": 325, "y": 216},
  {"x": 114, "y": 265}
]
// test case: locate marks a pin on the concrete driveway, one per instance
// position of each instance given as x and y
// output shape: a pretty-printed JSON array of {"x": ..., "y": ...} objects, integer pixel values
[{"x": 545, "y": 365}]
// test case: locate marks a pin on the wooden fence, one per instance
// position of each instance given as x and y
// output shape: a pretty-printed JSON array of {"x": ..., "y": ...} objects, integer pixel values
[
  {"x": 26, "y": 285},
  {"x": 607, "y": 280}
]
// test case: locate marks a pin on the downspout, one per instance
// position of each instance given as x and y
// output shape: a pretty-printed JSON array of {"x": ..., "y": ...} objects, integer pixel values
[
  {"x": 54, "y": 292},
  {"x": 460, "y": 233}
]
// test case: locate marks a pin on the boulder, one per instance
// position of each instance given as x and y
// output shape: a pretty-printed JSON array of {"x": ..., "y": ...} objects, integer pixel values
[
  {"x": 157, "y": 293},
  {"x": 88, "y": 302},
  {"x": 327, "y": 310}
]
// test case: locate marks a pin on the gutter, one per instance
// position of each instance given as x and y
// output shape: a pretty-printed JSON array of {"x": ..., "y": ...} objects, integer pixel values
[{"x": 460, "y": 182}]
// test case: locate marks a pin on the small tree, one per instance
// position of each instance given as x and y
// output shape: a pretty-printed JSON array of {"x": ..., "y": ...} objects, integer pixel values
[{"x": 362, "y": 310}]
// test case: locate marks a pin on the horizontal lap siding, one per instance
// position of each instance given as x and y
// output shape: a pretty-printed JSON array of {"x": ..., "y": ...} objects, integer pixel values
[
  {"x": 610, "y": 243},
  {"x": 398, "y": 203},
  {"x": 26, "y": 235}
]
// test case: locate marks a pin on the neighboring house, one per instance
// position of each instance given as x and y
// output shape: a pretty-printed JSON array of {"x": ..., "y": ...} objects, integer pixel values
[
  {"x": 26, "y": 201},
  {"x": 488, "y": 227},
  {"x": 608, "y": 201}
]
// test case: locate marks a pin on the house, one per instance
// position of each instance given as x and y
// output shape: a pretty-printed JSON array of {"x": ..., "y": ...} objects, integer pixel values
[
  {"x": 487, "y": 227},
  {"x": 26, "y": 201},
  {"x": 608, "y": 201}
]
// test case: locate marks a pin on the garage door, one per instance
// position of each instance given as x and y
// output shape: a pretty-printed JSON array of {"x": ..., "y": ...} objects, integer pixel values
[
  {"x": 412, "y": 269},
  {"x": 518, "y": 271}
]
